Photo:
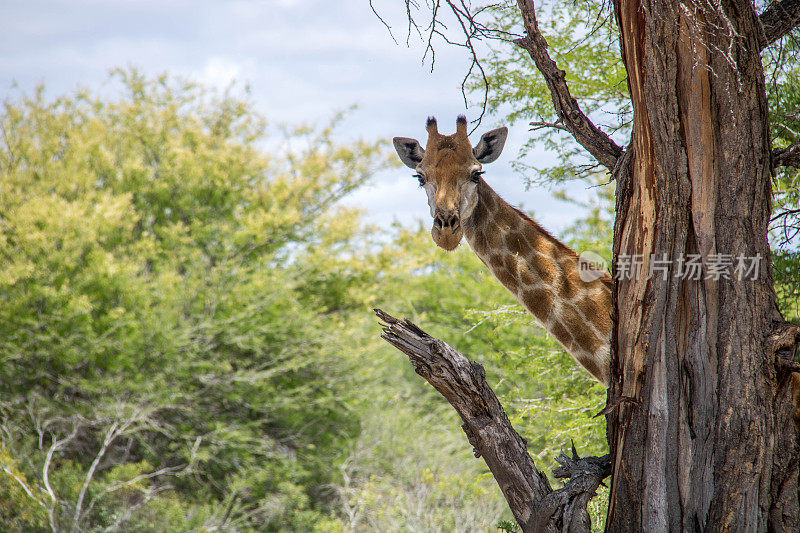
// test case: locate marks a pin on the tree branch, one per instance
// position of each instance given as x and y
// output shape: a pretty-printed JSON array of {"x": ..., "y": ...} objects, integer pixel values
[
  {"x": 786, "y": 157},
  {"x": 600, "y": 145},
  {"x": 22, "y": 484},
  {"x": 535, "y": 505},
  {"x": 111, "y": 434},
  {"x": 779, "y": 19},
  {"x": 54, "y": 447}
]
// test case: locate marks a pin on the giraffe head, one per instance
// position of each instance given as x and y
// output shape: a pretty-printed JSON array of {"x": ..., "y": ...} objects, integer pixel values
[{"x": 449, "y": 169}]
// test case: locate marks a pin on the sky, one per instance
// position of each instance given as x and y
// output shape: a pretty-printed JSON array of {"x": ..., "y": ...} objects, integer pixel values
[{"x": 302, "y": 59}]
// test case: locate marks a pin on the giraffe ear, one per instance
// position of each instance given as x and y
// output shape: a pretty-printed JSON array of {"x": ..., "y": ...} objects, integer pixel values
[
  {"x": 491, "y": 145},
  {"x": 409, "y": 150}
]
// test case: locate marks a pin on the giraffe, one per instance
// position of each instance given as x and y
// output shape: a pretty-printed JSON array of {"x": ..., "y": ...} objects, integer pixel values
[{"x": 542, "y": 273}]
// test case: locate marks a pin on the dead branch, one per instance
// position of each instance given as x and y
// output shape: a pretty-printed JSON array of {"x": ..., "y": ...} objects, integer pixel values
[
  {"x": 539, "y": 124},
  {"x": 22, "y": 484},
  {"x": 111, "y": 434},
  {"x": 785, "y": 214},
  {"x": 600, "y": 145},
  {"x": 535, "y": 505},
  {"x": 784, "y": 343},
  {"x": 779, "y": 19},
  {"x": 786, "y": 157},
  {"x": 147, "y": 492},
  {"x": 54, "y": 447}
]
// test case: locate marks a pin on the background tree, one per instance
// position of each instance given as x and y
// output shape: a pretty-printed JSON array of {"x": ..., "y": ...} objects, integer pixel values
[{"x": 170, "y": 289}]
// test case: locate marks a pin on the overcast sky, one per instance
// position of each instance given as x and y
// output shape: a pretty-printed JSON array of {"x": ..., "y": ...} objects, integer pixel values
[{"x": 303, "y": 60}]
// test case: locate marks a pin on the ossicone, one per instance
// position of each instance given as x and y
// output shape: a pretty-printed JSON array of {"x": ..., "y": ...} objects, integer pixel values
[
  {"x": 461, "y": 126},
  {"x": 431, "y": 126}
]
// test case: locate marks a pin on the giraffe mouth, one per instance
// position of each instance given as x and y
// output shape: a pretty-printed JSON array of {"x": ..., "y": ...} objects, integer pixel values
[{"x": 447, "y": 238}]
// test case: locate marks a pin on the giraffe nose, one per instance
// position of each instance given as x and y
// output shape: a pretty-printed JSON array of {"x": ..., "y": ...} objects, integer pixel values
[{"x": 446, "y": 221}]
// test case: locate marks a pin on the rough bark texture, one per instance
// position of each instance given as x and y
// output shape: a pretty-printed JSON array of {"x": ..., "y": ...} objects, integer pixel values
[
  {"x": 706, "y": 439},
  {"x": 535, "y": 505}
]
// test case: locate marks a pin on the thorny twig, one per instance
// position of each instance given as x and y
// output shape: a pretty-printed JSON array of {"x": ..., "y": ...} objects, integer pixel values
[{"x": 472, "y": 31}]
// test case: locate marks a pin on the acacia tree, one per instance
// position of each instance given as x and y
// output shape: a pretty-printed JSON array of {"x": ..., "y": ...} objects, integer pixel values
[{"x": 699, "y": 411}]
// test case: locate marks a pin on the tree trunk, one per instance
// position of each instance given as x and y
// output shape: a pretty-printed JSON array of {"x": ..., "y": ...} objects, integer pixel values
[{"x": 702, "y": 435}]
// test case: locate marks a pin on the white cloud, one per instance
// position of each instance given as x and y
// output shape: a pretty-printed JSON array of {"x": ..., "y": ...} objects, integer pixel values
[{"x": 221, "y": 72}]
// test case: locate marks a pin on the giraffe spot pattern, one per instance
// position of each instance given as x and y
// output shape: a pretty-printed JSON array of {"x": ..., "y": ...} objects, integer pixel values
[
  {"x": 507, "y": 219},
  {"x": 538, "y": 301},
  {"x": 542, "y": 273},
  {"x": 590, "y": 364},
  {"x": 561, "y": 333},
  {"x": 533, "y": 237},
  {"x": 480, "y": 244},
  {"x": 505, "y": 277},
  {"x": 496, "y": 262},
  {"x": 591, "y": 308},
  {"x": 544, "y": 267},
  {"x": 494, "y": 240},
  {"x": 510, "y": 263},
  {"x": 580, "y": 330},
  {"x": 516, "y": 243},
  {"x": 569, "y": 284},
  {"x": 526, "y": 277}
]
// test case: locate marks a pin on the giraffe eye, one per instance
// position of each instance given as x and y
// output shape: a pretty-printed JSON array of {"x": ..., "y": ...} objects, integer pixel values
[
  {"x": 476, "y": 176},
  {"x": 421, "y": 179}
]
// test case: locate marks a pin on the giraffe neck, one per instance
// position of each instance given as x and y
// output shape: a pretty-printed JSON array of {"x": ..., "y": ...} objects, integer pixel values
[{"x": 542, "y": 273}]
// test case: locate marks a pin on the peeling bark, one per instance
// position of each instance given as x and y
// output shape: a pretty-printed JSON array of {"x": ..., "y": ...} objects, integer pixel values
[{"x": 708, "y": 443}]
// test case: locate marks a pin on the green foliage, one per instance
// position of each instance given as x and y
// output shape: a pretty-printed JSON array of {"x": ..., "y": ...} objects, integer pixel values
[
  {"x": 782, "y": 71},
  {"x": 21, "y": 506},
  {"x": 786, "y": 268},
  {"x": 583, "y": 40},
  {"x": 783, "y": 91},
  {"x": 411, "y": 471},
  {"x": 595, "y": 229},
  {"x": 508, "y": 526},
  {"x": 186, "y": 335},
  {"x": 174, "y": 283}
]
